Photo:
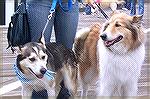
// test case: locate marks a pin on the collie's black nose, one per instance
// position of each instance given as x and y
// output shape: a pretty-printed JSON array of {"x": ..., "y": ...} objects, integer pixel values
[
  {"x": 104, "y": 37},
  {"x": 43, "y": 70}
]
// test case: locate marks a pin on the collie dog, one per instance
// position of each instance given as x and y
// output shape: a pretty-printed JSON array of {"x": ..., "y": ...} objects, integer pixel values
[
  {"x": 85, "y": 47},
  {"x": 111, "y": 56},
  {"x": 121, "y": 53}
]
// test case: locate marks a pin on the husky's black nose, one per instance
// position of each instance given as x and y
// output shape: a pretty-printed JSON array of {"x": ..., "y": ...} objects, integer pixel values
[
  {"x": 104, "y": 37},
  {"x": 43, "y": 70}
]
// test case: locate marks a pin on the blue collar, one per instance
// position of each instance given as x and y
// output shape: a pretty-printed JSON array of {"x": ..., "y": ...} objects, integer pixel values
[{"x": 49, "y": 75}]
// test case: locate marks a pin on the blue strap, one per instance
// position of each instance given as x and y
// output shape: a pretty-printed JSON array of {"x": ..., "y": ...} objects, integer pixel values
[
  {"x": 20, "y": 75},
  {"x": 60, "y": 3},
  {"x": 49, "y": 75},
  {"x": 53, "y": 6},
  {"x": 69, "y": 5}
]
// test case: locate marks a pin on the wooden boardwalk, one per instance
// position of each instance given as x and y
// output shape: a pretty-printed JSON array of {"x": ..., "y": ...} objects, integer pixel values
[{"x": 7, "y": 59}]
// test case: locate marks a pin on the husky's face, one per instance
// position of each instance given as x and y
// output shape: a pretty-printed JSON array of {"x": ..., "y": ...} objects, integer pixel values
[
  {"x": 122, "y": 33},
  {"x": 33, "y": 59}
]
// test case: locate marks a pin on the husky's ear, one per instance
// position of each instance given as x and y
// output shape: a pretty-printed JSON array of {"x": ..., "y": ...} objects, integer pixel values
[
  {"x": 18, "y": 50},
  {"x": 137, "y": 18},
  {"x": 42, "y": 40}
]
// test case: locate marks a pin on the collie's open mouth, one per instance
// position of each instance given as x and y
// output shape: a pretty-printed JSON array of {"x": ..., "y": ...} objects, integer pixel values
[
  {"x": 40, "y": 76},
  {"x": 112, "y": 42}
]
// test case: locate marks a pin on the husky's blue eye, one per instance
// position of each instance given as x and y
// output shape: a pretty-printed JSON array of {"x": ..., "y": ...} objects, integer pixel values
[{"x": 32, "y": 59}]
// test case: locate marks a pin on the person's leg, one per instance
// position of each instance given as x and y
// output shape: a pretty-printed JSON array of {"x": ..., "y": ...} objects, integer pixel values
[
  {"x": 133, "y": 7},
  {"x": 65, "y": 25},
  {"x": 64, "y": 92},
  {"x": 88, "y": 9},
  {"x": 39, "y": 95},
  {"x": 141, "y": 7},
  {"x": 128, "y": 4},
  {"x": 38, "y": 12}
]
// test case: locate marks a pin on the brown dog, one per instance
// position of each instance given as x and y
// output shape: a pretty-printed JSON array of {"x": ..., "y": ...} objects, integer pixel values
[{"x": 85, "y": 47}]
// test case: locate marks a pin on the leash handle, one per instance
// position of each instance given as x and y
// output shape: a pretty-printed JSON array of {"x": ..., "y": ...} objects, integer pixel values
[
  {"x": 52, "y": 10},
  {"x": 49, "y": 18},
  {"x": 102, "y": 11}
]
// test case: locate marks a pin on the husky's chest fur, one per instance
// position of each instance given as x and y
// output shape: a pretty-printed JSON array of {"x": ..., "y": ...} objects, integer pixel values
[{"x": 38, "y": 84}]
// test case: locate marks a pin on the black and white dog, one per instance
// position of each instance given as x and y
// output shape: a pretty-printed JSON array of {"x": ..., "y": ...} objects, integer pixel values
[{"x": 43, "y": 66}]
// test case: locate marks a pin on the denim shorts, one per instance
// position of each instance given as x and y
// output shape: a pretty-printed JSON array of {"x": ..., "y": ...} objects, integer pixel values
[{"x": 65, "y": 23}]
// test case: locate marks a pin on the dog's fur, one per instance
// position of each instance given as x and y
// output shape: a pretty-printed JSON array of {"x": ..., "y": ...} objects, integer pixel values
[
  {"x": 35, "y": 58},
  {"x": 105, "y": 4},
  {"x": 121, "y": 53},
  {"x": 111, "y": 3},
  {"x": 85, "y": 47}
]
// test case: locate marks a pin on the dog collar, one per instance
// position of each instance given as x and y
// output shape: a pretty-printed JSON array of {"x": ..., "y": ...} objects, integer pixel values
[{"x": 49, "y": 75}]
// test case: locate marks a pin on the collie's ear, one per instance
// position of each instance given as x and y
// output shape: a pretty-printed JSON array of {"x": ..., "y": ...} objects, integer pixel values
[
  {"x": 42, "y": 40},
  {"x": 137, "y": 18}
]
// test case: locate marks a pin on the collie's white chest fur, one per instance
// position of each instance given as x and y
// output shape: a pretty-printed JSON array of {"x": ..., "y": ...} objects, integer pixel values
[{"x": 119, "y": 73}]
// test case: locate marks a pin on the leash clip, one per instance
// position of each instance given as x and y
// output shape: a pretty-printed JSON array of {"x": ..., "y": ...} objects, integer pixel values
[{"x": 51, "y": 14}]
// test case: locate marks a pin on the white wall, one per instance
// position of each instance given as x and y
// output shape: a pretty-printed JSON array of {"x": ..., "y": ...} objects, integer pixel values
[{"x": 9, "y": 10}]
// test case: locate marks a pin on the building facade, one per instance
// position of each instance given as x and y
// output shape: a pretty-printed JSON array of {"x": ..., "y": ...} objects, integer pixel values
[{"x": 7, "y": 8}]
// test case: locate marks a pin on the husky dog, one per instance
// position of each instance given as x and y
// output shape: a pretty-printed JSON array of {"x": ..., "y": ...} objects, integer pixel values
[{"x": 35, "y": 64}]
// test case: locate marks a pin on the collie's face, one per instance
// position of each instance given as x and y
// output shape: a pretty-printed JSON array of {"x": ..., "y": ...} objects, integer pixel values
[{"x": 122, "y": 33}]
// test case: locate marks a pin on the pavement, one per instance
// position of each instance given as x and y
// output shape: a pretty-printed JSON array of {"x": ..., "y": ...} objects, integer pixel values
[{"x": 10, "y": 86}]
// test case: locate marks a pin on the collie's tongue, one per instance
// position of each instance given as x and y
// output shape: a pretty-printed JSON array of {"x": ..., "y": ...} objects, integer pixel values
[{"x": 109, "y": 43}]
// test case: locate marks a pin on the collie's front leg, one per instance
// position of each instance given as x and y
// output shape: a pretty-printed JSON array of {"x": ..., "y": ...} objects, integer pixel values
[
  {"x": 84, "y": 91},
  {"x": 106, "y": 87},
  {"x": 130, "y": 89}
]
